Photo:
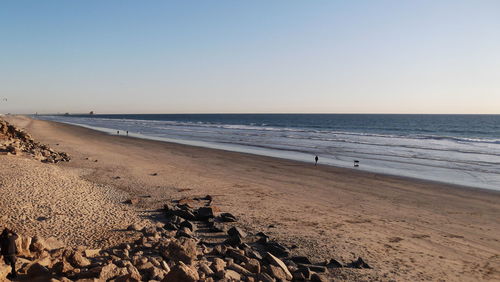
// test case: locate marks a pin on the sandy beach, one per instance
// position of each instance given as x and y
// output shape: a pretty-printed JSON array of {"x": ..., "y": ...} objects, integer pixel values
[{"x": 406, "y": 229}]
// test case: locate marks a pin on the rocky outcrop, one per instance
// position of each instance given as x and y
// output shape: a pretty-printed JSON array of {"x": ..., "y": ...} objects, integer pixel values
[
  {"x": 162, "y": 253},
  {"x": 15, "y": 141}
]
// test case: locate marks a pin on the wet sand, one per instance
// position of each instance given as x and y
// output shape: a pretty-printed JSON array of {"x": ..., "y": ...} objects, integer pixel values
[{"x": 406, "y": 229}]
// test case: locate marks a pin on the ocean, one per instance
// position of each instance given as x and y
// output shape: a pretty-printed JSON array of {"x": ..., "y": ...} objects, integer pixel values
[{"x": 457, "y": 149}]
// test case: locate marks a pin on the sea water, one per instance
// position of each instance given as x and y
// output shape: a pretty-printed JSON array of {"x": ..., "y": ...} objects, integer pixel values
[{"x": 458, "y": 149}]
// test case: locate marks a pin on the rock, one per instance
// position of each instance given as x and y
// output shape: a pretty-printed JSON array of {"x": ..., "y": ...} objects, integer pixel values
[
  {"x": 174, "y": 219},
  {"x": 299, "y": 276},
  {"x": 301, "y": 259},
  {"x": 151, "y": 272},
  {"x": 238, "y": 268},
  {"x": 38, "y": 244},
  {"x": 263, "y": 240},
  {"x": 264, "y": 277},
  {"x": 359, "y": 263},
  {"x": 37, "y": 270},
  {"x": 149, "y": 231},
  {"x": 92, "y": 253},
  {"x": 77, "y": 260},
  {"x": 262, "y": 235},
  {"x": 237, "y": 254},
  {"x": 219, "y": 250},
  {"x": 188, "y": 225},
  {"x": 232, "y": 275},
  {"x": 234, "y": 241},
  {"x": 122, "y": 263},
  {"x": 253, "y": 254},
  {"x": 4, "y": 271},
  {"x": 145, "y": 265},
  {"x": 227, "y": 217},
  {"x": 134, "y": 227},
  {"x": 205, "y": 269},
  {"x": 205, "y": 213},
  {"x": 165, "y": 266},
  {"x": 277, "y": 249},
  {"x": 252, "y": 265},
  {"x": 220, "y": 274},
  {"x": 121, "y": 253},
  {"x": 277, "y": 262},
  {"x": 168, "y": 208},
  {"x": 133, "y": 273},
  {"x": 182, "y": 249},
  {"x": 62, "y": 267},
  {"x": 185, "y": 214},
  {"x": 236, "y": 231},
  {"x": 23, "y": 244},
  {"x": 184, "y": 232},
  {"x": 218, "y": 227},
  {"x": 333, "y": 264},
  {"x": 45, "y": 259},
  {"x": 316, "y": 268},
  {"x": 170, "y": 226},
  {"x": 218, "y": 265},
  {"x": 181, "y": 273},
  {"x": 315, "y": 277},
  {"x": 155, "y": 261},
  {"x": 107, "y": 272},
  {"x": 133, "y": 201},
  {"x": 277, "y": 272},
  {"x": 306, "y": 272}
]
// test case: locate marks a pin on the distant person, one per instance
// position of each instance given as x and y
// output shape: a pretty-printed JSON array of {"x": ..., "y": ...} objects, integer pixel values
[
  {"x": 127, "y": 132},
  {"x": 118, "y": 132},
  {"x": 316, "y": 161},
  {"x": 8, "y": 249}
]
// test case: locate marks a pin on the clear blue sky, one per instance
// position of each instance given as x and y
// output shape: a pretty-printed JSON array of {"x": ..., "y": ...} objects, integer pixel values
[{"x": 250, "y": 56}]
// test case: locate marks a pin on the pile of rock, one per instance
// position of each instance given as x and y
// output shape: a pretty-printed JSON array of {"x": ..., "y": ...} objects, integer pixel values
[
  {"x": 15, "y": 141},
  {"x": 193, "y": 244}
]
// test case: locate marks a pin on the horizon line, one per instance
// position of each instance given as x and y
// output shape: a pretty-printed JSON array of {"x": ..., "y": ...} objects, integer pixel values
[{"x": 254, "y": 113}]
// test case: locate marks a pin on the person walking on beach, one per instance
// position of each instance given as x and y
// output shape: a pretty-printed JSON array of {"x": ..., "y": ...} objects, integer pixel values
[
  {"x": 127, "y": 132},
  {"x": 8, "y": 249},
  {"x": 316, "y": 161}
]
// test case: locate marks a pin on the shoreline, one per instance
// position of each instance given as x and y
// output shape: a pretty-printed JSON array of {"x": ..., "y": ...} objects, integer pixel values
[
  {"x": 250, "y": 150},
  {"x": 406, "y": 229}
]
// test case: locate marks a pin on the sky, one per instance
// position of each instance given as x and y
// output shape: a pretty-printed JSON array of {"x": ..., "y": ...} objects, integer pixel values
[{"x": 258, "y": 56}]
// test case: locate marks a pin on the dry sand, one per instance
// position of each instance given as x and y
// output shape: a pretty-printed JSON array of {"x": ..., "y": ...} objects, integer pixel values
[{"x": 406, "y": 229}]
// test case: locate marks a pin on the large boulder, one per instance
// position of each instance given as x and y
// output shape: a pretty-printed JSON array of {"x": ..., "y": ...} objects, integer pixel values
[
  {"x": 104, "y": 273},
  {"x": 182, "y": 249},
  {"x": 38, "y": 244},
  {"x": 181, "y": 273},
  {"x": 77, "y": 260}
]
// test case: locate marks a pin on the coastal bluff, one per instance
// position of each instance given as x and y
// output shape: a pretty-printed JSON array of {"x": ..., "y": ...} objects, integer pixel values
[{"x": 16, "y": 141}]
